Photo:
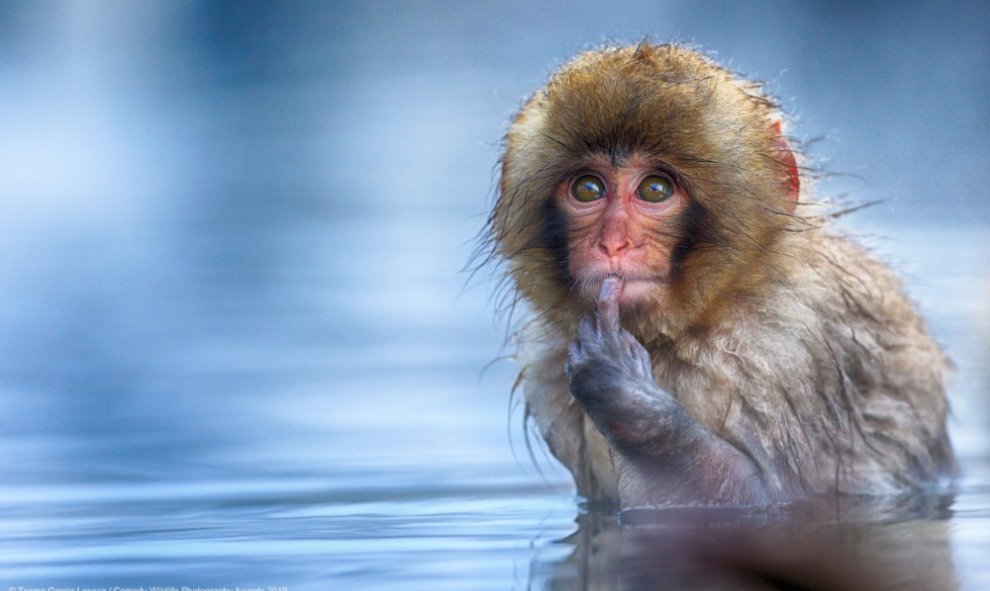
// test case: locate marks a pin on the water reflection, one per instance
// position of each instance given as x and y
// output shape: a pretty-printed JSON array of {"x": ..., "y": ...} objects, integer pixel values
[{"x": 718, "y": 551}]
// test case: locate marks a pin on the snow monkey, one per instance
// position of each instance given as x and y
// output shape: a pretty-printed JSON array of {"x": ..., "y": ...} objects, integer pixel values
[{"x": 699, "y": 334}]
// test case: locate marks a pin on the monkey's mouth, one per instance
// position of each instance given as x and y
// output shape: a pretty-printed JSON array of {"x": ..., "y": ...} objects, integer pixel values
[{"x": 629, "y": 289}]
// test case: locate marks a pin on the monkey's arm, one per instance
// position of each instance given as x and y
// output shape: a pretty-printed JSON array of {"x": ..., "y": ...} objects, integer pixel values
[{"x": 662, "y": 456}]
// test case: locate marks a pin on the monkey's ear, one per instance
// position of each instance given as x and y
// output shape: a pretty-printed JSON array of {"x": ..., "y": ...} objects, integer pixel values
[{"x": 782, "y": 153}]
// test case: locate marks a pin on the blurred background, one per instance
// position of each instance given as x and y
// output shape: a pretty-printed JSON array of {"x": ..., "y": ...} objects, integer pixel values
[{"x": 237, "y": 344}]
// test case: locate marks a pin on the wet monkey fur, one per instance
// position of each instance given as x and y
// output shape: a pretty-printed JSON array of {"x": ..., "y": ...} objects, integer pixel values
[{"x": 700, "y": 336}]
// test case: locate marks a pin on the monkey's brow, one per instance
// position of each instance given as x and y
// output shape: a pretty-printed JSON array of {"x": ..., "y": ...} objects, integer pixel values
[{"x": 693, "y": 159}]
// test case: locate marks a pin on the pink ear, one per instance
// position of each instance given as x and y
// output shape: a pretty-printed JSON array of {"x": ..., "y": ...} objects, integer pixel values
[{"x": 785, "y": 157}]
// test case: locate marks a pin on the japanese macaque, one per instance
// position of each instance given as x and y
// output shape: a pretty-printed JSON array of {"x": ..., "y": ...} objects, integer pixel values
[{"x": 699, "y": 336}]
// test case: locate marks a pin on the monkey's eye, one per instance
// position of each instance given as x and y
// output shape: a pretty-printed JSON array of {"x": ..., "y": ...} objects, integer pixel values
[
  {"x": 655, "y": 189},
  {"x": 588, "y": 188}
]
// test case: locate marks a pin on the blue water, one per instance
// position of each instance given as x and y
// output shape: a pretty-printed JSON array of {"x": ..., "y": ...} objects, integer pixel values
[
  {"x": 236, "y": 346},
  {"x": 283, "y": 430}
]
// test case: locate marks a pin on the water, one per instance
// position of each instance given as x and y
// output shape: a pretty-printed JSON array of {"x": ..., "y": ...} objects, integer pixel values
[
  {"x": 235, "y": 345},
  {"x": 320, "y": 447}
]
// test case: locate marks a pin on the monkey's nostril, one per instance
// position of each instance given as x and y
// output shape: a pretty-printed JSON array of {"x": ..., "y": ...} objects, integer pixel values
[{"x": 614, "y": 247}]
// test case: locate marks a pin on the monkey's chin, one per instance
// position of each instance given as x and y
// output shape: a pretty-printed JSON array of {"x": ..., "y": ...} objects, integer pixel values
[{"x": 637, "y": 292}]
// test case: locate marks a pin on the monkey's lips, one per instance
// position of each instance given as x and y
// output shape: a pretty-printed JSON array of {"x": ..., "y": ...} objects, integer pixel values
[{"x": 629, "y": 289}]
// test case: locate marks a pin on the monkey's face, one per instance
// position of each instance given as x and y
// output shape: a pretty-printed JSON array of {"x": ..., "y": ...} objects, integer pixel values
[
  {"x": 621, "y": 220},
  {"x": 650, "y": 164}
]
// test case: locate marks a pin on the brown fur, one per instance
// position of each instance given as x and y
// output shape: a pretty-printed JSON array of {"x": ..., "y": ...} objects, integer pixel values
[{"x": 778, "y": 335}]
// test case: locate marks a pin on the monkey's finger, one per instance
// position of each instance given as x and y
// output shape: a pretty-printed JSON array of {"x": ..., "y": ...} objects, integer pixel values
[
  {"x": 588, "y": 330},
  {"x": 608, "y": 304}
]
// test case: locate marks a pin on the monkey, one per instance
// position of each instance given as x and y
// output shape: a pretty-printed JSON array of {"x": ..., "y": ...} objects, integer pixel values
[{"x": 699, "y": 334}]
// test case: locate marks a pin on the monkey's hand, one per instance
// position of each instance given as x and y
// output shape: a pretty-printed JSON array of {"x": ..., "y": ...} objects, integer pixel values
[
  {"x": 662, "y": 455},
  {"x": 602, "y": 342},
  {"x": 611, "y": 375}
]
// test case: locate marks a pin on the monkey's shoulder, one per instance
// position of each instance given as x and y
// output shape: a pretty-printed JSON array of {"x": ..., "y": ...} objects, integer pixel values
[{"x": 847, "y": 288}]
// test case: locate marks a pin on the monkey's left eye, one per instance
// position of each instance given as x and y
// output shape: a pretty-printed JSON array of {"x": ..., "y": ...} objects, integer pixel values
[
  {"x": 655, "y": 189},
  {"x": 588, "y": 188}
]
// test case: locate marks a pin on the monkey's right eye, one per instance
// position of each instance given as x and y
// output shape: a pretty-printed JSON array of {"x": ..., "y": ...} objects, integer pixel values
[{"x": 588, "y": 188}]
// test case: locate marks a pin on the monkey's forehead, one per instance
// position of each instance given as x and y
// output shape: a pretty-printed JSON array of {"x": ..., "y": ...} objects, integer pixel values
[
  {"x": 667, "y": 68},
  {"x": 646, "y": 98}
]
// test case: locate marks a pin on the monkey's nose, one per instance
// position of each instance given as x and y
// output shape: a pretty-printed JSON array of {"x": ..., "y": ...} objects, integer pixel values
[{"x": 614, "y": 247}]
